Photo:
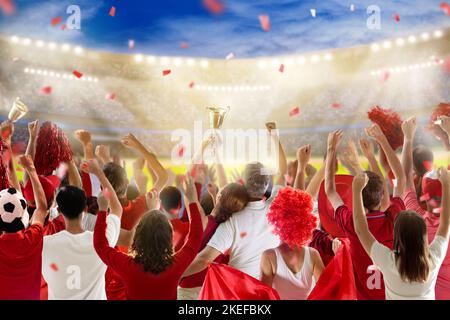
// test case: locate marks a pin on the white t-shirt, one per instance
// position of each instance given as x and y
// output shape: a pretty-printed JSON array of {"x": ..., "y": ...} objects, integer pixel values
[
  {"x": 246, "y": 235},
  {"x": 72, "y": 268},
  {"x": 396, "y": 288}
]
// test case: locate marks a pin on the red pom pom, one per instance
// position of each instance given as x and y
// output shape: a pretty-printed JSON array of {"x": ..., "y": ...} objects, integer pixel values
[
  {"x": 390, "y": 123},
  {"x": 443, "y": 109},
  {"x": 291, "y": 217},
  {"x": 4, "y": 181},
  {"x": 52, "y": 148}
]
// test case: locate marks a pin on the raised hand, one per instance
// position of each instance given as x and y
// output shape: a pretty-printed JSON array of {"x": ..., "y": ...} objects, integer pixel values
[
  {"x": 91, "y": 166},
  {"x": 7, "y": 129},
  {"x": 444, "y": 123},
  {"x": 83, "y": 136},
  {"x": 188, "y": 188},
  {"x": 33, "y": 128},
  {"x": 335, "y": 245},
  {"x": 304, "y": 155},
  {"x": 131, "y": 141},
  {"x": 409, "y": 128},
  {"x": 27, "y": 163},
  {"x": 360, "y": 181},
  {"x": 271, "y": 126},
  {"x": 366, "y": 148},
  {"x": 374, "y": 131},
  {"x": 152, "y": 199},
  {"x": 102, "y": 201},
  {"x": 334, "y": 138},
  {"x": 103, "y": 153}
]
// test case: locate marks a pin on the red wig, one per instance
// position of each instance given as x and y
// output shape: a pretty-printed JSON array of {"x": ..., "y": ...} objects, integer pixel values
[
  {"x": 443, "y": 109},
  {"x": 390, "y": 123},
  {"x": 291, "y": 216},
  {"x": 4, "y": 181},
  {"x": 52, "y": 148}
]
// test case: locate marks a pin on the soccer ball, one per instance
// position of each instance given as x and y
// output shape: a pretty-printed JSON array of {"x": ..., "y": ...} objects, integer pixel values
[{"x": 12, "y": 208}]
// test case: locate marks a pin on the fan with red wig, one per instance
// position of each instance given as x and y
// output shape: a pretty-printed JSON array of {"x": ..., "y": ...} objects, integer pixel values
[{"x": 390, "y": 123}]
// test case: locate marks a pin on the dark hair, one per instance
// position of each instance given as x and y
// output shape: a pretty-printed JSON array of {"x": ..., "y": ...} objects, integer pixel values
[
  {"x": 170, "y": 198},
  {"x": 232, "y": 198},
  {"x": 152, "y": 244},
  {"x": 71, "y": 201},
  {"x": 373, "y": 192},
  {"x": 207, "y": 203},
  {"x": 411, "y": 247},
  {"x": 12, "y": 227},
  {"x": 256, "y": 180},
  {"x": 420, "y": 155},
  {"x": 117, "y": 176},
  {"x": 132, "y": 192}
]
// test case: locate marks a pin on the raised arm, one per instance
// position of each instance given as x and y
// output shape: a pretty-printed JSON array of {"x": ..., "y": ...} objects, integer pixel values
[
  {"x": 303, "y": 157},
  {"x": 40, "y": 213},
  {"x": 74, "y": 175},
  {"x": 349, "y": 157},
  {"x": 409, "y": 129},
  {"x": 282, "y": 161},
  {"x": 444, "y": 123},
  {"x": 444, "y": 222},
  {"x": 359, "y": 216},
  {"x": 161, "y": 175},
  {"x": 139, "y": 176},
  {"x": 375, "y": 132},
  {"x": 367, "y": 150},
  {"x": 85, "y": 139},
  {"x": 92, "y": 166},
  {"x": 31, "y": 146},
  {"x": 330, "y": 169},
  {"x": 103, "y": 154},
  {"x": 314, "y": 185}
]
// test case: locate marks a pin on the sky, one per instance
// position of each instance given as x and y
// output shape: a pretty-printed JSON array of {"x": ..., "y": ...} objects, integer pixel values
[{"x": 158, "y": 27}]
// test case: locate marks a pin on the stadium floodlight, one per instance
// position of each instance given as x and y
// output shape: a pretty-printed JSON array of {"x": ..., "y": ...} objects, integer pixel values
[
  {"x": 400, "y": 42},
  {"x": 138, "y": 58},
  {"x": 328, "y": 57},
  {"x": 39, "y": 43},
  {"x": 164, "y": 61},
  {"x": 52, "y": 46},
  {"x": 78, "y": 50},
  {"x": 275, "y": 62},
  {"x": 315, "y": 58},
  {"x": 65, "y": 47},
  {"x": 204, "y": 63},
  {"x": 26, "y": 41},
  {"x": 425, "y": 36},
  {"x": 289, "y": 62},
  {"x": 190, "y": 62},
  {"x": 412, "y": 39},
  {"x": 262, "y": 64},
  {"x": 26, "y": 70},
  {"x": 438, "y": 33},
  {"x": 301, "y": 60},
  {"x": 177, "y": 61},
  {"x": 15, "y": 39},
  {"x": 151, "y": 60},
  {"x": 375, "y": 47},
  {"x": 387, "y": 45}
]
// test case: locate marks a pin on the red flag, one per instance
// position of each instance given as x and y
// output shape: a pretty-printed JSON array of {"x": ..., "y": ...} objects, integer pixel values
[
  {"x": 243, "y": 234},
  {"x": 166, "y": 72},
  {"x": 336, "y": 105},
  {"x": 63, "y": 27},
  {"x": 181, "y": 150},
  {"x": 265, "y": 22},
  {"x": 110, "y": 96},
  {"x": 46, "y": 90},
  {"x": 281, "y": 68},
  {"x": 56, "y": 20},
  {"x": 184, "y": 45},
  {"x": 295, "y": 111},
  {"x": 397, "y": 17},
  {"x": 446, "y": 7},
  {"x": 191, "y": 85},
  {"x": 214, "y": 6},
  {"x": 77, "y": 74},
  {"x": 223, "y": 282},
  {"x": 112, "y": 11},
  {"x": 54, "y": 266},
  {"x": 7, "y": 7},
  {"x": 337, "y": 281}
]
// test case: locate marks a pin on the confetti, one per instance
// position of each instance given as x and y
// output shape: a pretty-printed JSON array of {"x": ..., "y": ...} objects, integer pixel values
[
  {"x": 63, "y": 27},
  {"x": 77, "y": 74},
  {"x": 385, "y": 76},
  {"x": 397, "y": 17},
  {"x": 184, "y": 45},
  {"x": 166, "y": 72},
  {"x": 214, "y": 6},
  {"x": 46, "y": 90},
  {"x": 191, "y": 85},
  {"x": 56, "y": 21},
  {"x": 7, "y": 7},
  {"x": 352, "y": 7},
  {"x": 181, "y": 151},
  {"x": 110, "y": 96},
  {"x": 243, "y": 234},
  {"x": 54, "y": 267},
  {"x": 425, "y": 197},
  {"x": 131, "y": 44},
  {"x": 230, "y": 56},
  {"x": 313, "y": 13},
  {"x": 265, "y": 22},
  {"x": 428, "y": 165},
  {"x": 445, "y": 7},
  {"x": 112, "y": 11},
  {"x": 336, "y": 105},
  {"x": 281, "y": 68},
  {"x": 295, "y": 111}
]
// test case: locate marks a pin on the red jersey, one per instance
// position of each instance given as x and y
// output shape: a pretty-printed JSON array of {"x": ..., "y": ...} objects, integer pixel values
[
  {"x": 21, "y": 264},
  {"x": 369, "y": 280},
  {"x": 133, "y": 212}
]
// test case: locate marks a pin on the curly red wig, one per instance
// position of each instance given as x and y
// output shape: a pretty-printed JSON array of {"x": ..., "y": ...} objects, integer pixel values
[
  {"x": 443, "y": 109},
  {"x": 390, "y": 123},
  {"x": 52, "y": 148},
  {"x": 291, "y": 216}
]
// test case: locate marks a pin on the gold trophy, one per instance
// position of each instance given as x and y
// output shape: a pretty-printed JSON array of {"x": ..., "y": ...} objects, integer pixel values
[
  {"x": 216, "y": 117},
  {"x": 18, "y": 110}
]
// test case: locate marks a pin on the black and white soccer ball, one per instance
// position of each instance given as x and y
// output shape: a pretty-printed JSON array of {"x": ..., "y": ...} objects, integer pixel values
[{"x": 13, "y": 213}]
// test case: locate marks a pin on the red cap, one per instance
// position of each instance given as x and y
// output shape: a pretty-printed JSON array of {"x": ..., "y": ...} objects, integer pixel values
[
  {"x": 431, "y": 185},
  {"x": 49, "y": 184},
  {"x": 326, "y": 211}
]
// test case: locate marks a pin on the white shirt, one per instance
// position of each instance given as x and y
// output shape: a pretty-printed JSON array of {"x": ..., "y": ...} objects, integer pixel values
[
  {"x": 246, "y": 235},
  {"x": 396, "y": 288},
  {"x": 72, "y": 268}
]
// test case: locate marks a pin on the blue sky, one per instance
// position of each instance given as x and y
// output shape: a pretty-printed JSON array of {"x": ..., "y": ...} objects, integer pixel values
[{"x": 159, "y": 26}]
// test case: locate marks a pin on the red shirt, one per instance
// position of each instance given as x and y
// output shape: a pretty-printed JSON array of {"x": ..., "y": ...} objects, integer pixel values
[
  {"x": 381, "y": 225},
  {"x": 442, "y": 289},
  {"x": 141, "y": 285},
  {"x": 197, "y": 279},
  {"x": 322, "y": 242},
  {"x": 21, "y": 264},
  {"x": 133, "y": 212},
  {"x": 180, "y": 231}
]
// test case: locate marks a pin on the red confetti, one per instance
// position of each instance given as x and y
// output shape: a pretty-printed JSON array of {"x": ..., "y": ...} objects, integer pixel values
[
  {"x": 425, "y": 197},
  {"x": 63, "y": 27},
  {"x": 265, "y": 22},
  {"x": 295, "y": 111},
  {"x": 77, "y": 74},
  {"x": 112, "y": 11},
  {"x": 166, "y": 72},
  {"x": 56, "y": 20},
  {"x": 184, "y": 45},
  {"x": 46, "y": 90},
  {"x": 110, "y": 96},
  {"x": 181, "y": 151},
  {"x": 385, "y": 76},
  {"x": 397, "y": 17},
  {"x": 428, "y": 165},
  {"x": 446, "y": 7},
  {"x": 131, "y": 44},
  {"x": 214, "y": 6},
  {"x": 54, "y": 267},
  {"x": 7, "y": 7},
  {"x": 336, "y": 105},
  {"x": 191, "y": 85},
  {"x": 281, "y": 68},
  {"x": 243, "y": 234}
]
